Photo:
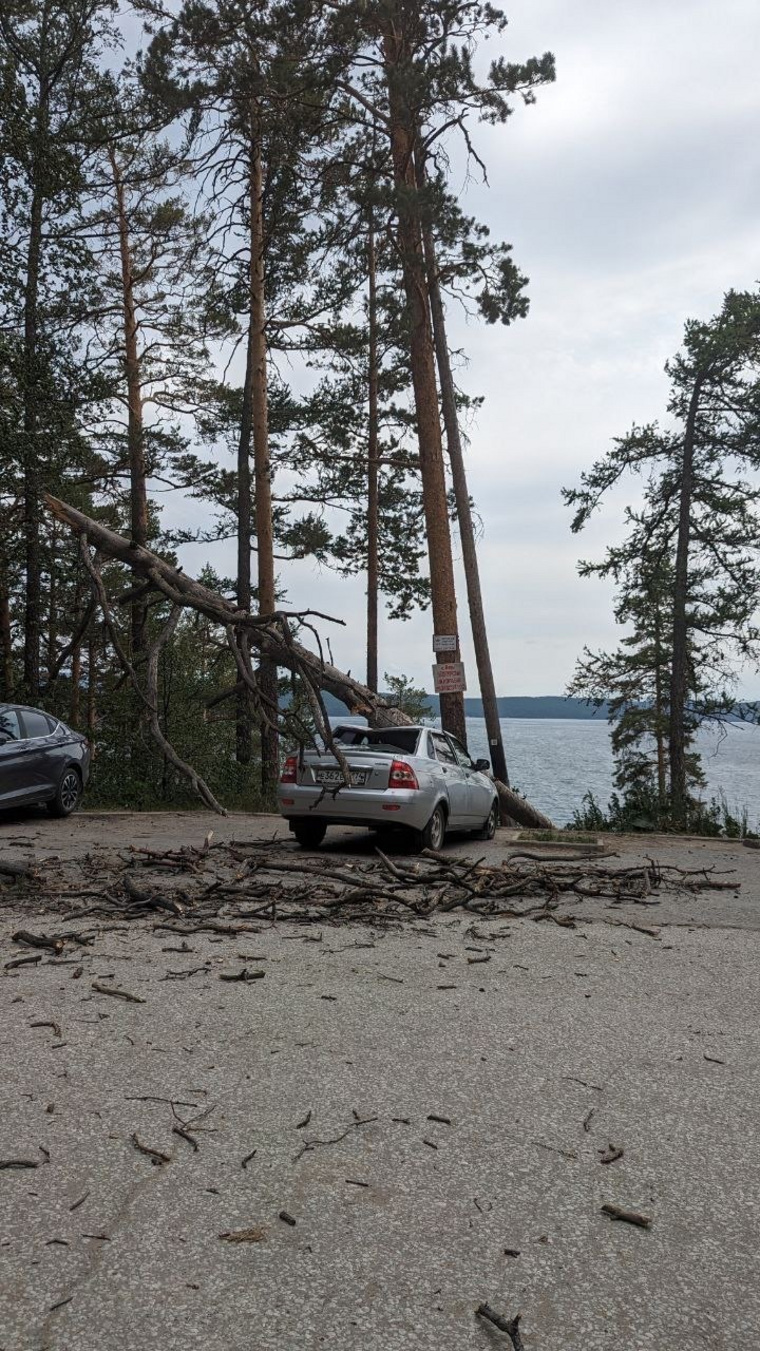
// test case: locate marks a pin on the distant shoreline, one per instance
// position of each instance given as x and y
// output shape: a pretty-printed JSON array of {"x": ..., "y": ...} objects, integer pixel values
[
  {"x": 510, "y": 706},
  {"x": 535, "y": 706},
  {"x": 513, "y": 706}
]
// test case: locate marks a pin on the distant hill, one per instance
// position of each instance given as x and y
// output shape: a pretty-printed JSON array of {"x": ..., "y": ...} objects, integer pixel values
[{"x": 510, "y": 706}]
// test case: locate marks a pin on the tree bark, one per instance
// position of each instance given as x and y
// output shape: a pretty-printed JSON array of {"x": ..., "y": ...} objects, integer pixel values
[
  {"x": 267, "y": 675},
  {"x": 462, "y": 498},
  {"x": 6, "y": 634},
  {"x": 263, "y": 632},
  {"x": 76, "y": 677},
  {"x": 373, "y": 510},
  {"x": 138, "y": 491},
  {"x": 659, "y": 710},
  {"x": 52, "y": 633},
  {"x": 92, "y": 687},
  {"x": 243, "y": 714},
  {"x": 679, "y": 671},
  {"x": 422, "y": 360},
  {"x": 32, "y": 480}
]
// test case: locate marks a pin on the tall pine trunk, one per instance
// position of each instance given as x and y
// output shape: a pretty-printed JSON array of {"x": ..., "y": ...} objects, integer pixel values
[
  {"x": 92, "y": 686},
  {"x": 76, "y": 655},
  {"x": 422, "y": 361},
  {"x": 243, "y": 716},
  {"x": 659, "y": 711},
  {"x": 6, "y": 634},
  {"x": 462, "y": 498},
  {"x": 267, "y": 603},
  {"x": 32, "y": 478},
  {"x": 373, "y": 439},
  {"x": 52, "y": 628},
  {"x": 138, "y": 492},
  {"x": 679, "y": 671}
]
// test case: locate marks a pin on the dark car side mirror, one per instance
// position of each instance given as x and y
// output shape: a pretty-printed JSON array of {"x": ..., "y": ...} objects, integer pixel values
[{"x": 483, "y": 766}]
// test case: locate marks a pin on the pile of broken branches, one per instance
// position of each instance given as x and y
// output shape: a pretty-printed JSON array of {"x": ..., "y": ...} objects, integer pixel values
[{"x": 220, "y": 885}]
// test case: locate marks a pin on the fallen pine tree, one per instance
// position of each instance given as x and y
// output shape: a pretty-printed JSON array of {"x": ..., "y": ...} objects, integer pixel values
[{"x": 270, "y": 635}]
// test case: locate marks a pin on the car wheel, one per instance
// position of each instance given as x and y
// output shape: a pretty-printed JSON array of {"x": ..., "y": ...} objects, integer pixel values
[
  {"x": 68, "y": 794},
  {"x": 488, "y": 828},
  {"x": 309, "y": 834},
  {"x": 433, "y": 834}
]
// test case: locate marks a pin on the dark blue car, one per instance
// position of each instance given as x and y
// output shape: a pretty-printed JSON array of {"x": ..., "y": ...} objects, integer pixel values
[{"x": 41, "y": 760}]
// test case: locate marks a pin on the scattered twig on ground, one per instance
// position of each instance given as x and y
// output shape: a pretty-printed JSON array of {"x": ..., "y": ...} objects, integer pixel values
[
  {"x": 308, "y": 1145},
  {"x": 253, "y": 1235},
  {"x": 54, "y": 1027},
  {"x": 509, "y": 1325},
  {"x": 220, "y": 888},
  {"x": 117, "y": 994},
  {"x": 628, "y": 1216},
  {"x": 185, "y": 1135},
  {"x": 155, "y": 1155}
]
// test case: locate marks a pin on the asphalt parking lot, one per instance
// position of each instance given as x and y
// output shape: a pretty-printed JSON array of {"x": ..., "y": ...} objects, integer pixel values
[{"x": 442, "y": 1109}]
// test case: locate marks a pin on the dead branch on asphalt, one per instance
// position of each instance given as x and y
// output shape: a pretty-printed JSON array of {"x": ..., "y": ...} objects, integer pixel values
[
  {"x": 230, "y": 888},
  {"x": 509, "y": 1325}
]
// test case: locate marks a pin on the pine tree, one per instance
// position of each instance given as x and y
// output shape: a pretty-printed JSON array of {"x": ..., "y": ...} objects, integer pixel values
[
  {"x": 49, "y": 55},
  {"x": 249, "y": 76},
  {"x": 151, "y": 317},
  {"x": 702, "y": 509},
  {"x": 416, "y": 79}
]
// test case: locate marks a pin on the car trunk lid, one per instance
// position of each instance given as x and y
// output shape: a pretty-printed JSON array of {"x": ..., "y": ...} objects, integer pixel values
[{"x": 369, "y": 769}]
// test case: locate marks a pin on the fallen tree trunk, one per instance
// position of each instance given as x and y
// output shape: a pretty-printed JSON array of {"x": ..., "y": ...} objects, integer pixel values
[{"x": 269, "y": 634}]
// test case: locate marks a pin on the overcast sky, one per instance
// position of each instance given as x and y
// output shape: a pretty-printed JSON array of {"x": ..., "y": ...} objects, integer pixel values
[{"x": 631, "y": 194}]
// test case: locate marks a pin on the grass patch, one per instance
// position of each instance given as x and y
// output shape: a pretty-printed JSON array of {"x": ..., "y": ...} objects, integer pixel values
[{"x": 556, "y": 837}]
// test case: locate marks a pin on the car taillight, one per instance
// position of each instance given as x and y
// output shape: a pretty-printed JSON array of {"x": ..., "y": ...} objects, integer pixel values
[
  {"x": 290, "y": 770},
  {"x": 402, "y": 775}
]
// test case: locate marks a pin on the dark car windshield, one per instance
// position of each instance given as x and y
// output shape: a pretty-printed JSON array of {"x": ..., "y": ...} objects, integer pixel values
[{"x": 379, "y": 738}]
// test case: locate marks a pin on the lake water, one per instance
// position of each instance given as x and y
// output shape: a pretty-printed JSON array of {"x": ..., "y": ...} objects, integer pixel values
[{"x": 553, "y": 761}]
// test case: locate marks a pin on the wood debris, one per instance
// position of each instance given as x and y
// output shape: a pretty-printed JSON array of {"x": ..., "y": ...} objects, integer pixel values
[
  {"x": 509, "y": 1325},
  {"x": 627, "y": 1216},
  {"x": 256, "y": 1234},
  {"x": 231, "y": 887}
]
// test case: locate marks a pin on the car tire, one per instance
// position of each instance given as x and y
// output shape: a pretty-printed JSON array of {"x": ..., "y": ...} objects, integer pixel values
[
  {"x": 68, "y": 794},
  {"x": 309, "y": 834},
  {"x": 433, "y": 834},
  {"x": 488, "y": 828}
]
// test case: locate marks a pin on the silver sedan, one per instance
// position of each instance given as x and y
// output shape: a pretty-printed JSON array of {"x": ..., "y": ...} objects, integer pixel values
[{"x": 416, "y": 778}]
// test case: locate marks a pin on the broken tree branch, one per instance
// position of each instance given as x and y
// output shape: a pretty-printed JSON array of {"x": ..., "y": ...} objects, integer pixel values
[{"x": 271, "y": 635}]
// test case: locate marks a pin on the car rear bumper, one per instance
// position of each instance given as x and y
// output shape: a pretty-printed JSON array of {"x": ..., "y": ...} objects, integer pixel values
[{"x": 351, "y": 807}]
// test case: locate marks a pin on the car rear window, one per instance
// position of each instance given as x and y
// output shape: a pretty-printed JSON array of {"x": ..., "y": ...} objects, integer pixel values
[
  {"x": 10, "y": 727},
  {"x": 37, "y": 724},
  {"x": 379, "y": 738}
]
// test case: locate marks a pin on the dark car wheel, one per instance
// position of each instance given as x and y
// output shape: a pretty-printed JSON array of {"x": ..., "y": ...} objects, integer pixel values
[
  {"x": 68, "y": 794},
  {"x": 309, "y": 834},
  {"x": 488, "y": 828},
  {"x": 433, "y": 834}
]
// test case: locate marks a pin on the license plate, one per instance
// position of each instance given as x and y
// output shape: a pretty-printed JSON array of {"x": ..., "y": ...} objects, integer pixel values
[{"x": 329, "y": 777}]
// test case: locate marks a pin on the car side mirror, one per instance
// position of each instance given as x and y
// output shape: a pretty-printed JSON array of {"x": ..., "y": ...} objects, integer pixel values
[{"x": 482, "y": 766}]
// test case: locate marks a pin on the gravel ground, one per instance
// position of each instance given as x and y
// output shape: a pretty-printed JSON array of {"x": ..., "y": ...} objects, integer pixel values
[{"x": 330, "y": 1071}]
